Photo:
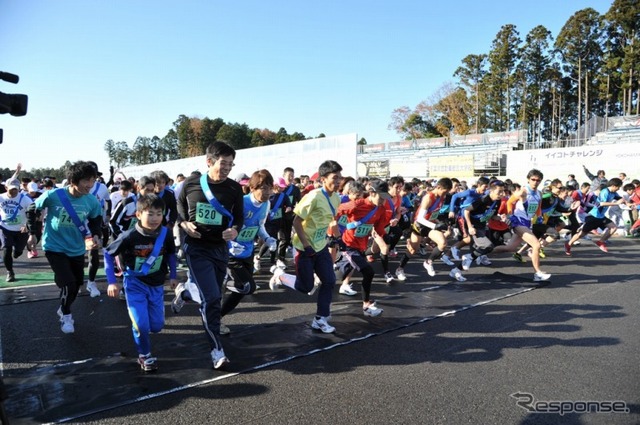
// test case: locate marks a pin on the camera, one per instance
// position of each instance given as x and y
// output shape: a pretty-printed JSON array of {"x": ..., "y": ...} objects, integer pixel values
[{"x": 14, "y": 104}]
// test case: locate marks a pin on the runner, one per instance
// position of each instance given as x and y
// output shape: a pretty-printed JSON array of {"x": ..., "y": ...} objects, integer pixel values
[
  {"x": 365, "y": 217},
  {"x": 525, "y": 204},
  {"x": 314, "y": 215},
  {"x": 596, "y": 219},
  {"x": 210, "y": 212},
  {"x": 148, "y": 254},
  {"x": 13, "y": 224},
  {"x": 239, "y": 280},
  {"x": 73, "y": 225}
]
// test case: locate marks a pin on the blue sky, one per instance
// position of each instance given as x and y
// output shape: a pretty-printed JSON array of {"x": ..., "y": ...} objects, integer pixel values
[{"x": 99, "y": 70}]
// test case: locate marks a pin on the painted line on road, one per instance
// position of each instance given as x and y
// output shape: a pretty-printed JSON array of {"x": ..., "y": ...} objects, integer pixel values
[{"x": 286, "y": 359}]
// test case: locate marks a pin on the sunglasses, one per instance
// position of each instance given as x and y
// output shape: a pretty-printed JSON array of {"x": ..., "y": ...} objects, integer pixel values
[{"x": 533, "y": 179}]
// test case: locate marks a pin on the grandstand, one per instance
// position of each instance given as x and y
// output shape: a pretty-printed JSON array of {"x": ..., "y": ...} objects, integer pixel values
[
  {"x": 468, "y": 156},
  {"x": 620, "y": 130},
  {"x": 482, "y": 154}
]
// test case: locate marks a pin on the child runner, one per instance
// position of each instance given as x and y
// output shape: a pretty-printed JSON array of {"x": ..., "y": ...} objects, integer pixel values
[{"x": 148, "y": 254}]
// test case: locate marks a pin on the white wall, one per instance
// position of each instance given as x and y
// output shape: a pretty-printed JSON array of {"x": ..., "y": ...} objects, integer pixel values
[
  {"x": 303, "y": 156},
  {"x": 613, "y": 159}
]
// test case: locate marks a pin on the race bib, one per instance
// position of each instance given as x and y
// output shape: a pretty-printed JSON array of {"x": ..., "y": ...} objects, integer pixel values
[
  {"x": 206, "y": 214},
  {"x": 532, "y": 207},
  {"x": 64, "y": 219},
  {"x": 154, "y": 268},
  {"x": 343, "y": 220},
  {"x": 363, "y": 230},
  {"x": 247, "y": 234},
  {"x": 320, "y": 234},
  {"x": 133, "y": 222},
  {"x": 276, "y": 214}
]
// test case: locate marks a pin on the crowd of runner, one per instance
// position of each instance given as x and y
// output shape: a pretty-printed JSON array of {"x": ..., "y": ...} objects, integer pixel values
[{"x": 227, "y": 230}]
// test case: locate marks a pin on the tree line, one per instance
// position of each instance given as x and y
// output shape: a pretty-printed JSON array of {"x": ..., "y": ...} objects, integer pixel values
[
  {"x": 548, "y": 86},
  {"x": 190, "y": 137}
]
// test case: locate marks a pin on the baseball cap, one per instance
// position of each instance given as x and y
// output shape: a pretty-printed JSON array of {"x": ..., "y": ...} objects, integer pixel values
[
  {"x": 33, "y": 187},
  {"x": 12, "y": 184},
  {"x": 242, "y": 178},
  {"x": 96, "y": 167},
  {"x": 380, "y": 187},
  {"x": 280, "y": 182}
]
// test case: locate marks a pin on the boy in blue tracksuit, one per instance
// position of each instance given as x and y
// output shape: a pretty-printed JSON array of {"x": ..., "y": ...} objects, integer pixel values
[{"x": 148, "y": 252}]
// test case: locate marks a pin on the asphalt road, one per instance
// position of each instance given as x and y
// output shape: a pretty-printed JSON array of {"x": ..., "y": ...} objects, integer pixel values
[{"x": 442, "y": 353}]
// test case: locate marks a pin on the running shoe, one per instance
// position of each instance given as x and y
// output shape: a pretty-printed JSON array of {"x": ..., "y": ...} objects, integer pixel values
[
  {"x": 388, "y": 277},
  {"x": 393, "y": 253},
  {"x": 518, "y": 257},
  {"x": 224, "y": 329},
  {"x": 445, "y": 259},
  {"x": 542, "y": 254},
  {"x": 429, "y": 267},
  {"x": 483, "y": 260},
  {"x": 466, "y": 261},
  {"x": 11, "y": 277},
  {"x": 346, "y": 289},
  {"x": 455, "y": 253},
  {"x": 400, "y": 274},
  {"x": 281, "y": 264},
  {"x": 320, "y": 323},
  {"x": 541, "y": 276},
  {"x": 457, "y": 275},
  {"x": 602, "y": 246},
  {"x": 274, "y": 282},
  {"x": 148, "y": 363},
  {"x": 93, "y": 289},
  {"x": 182, "y": 295},
  {"x": 567, "y": 249},
  {"x": 372, "y": 310},
  {"x": 66, "y": 322},
  {"x": 218, "y": 358},
  {"x": 256, "y": 264}
]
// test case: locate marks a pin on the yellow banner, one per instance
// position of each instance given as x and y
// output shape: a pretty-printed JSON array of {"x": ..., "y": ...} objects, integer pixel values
[{"x": 451, "y": 166}]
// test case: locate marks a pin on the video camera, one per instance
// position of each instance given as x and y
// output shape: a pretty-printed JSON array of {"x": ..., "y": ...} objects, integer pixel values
[{"x": 14, "y": 104}]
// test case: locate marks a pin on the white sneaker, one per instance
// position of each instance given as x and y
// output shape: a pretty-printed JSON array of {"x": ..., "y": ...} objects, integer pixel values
[
  {"x": 372, "y": 310},
  {"x": 256, "y": 264},
  {"x": 92, "y": 289},
  {"x": 218, "y": 358},
  {"x": 400, "y": 274},
  {"x": 389, "y": 277},
  {"x": 274, "y": 282},
  {"x": 316, "y": 284},
  {"x": 182, "y": 294},
  {"x": 540, "y": 276},
  {"x": 281, "y": 264},
  {"x": 346, "y": 289},
  {"x": 224, "y": 329},
  {"x": 66, "y": 322},
  {"x": 321, "y": 324},
  {"x": 457, "y": 275},
  {"x": 483, "y": 260},
  {"x": 455, "y": 253},
  {"x": 466, "y": 261},
  {"x": 429, "y": 267},
  {"x": 445, "y": 259}
]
